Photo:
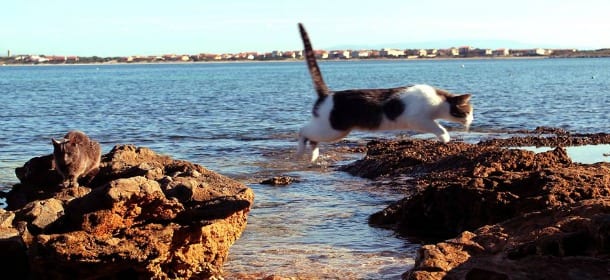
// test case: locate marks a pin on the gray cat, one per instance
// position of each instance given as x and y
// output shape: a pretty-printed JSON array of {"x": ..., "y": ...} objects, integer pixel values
[{"x": 76, "y": 156}]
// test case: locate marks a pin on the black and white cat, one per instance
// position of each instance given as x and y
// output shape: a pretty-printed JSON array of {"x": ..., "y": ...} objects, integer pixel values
[{"x": 414, "y": 107}]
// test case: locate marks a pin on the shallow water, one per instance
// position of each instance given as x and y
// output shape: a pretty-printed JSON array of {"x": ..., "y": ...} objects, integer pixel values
[
  {"x": 586, "y": 154},
  {"x": 317, "y": 228},
  {"x": 240, "y": 120}
]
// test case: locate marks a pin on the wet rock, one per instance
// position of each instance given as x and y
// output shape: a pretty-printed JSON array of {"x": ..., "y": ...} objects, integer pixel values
[
  {"x": 486, "y": 211},
  {"x": 460, "y": 186},
  {"x": 553, "y": 138},
  {"x": 279, "y": 181},
  {"x": 556, "y": 243},
  {"x": 144, "y": 216}
]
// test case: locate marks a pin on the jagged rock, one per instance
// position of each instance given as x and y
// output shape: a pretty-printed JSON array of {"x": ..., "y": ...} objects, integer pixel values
[
  {"x": 459, "y": 186},
  {"x": 556, "y": 243},
  {"x": 41, "y": 213},
  {"x": 144, "y": 216},
  {"x": 485, "y": 211}
]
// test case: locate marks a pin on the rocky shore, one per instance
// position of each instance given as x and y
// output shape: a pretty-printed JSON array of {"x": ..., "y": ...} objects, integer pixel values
[
  {"x": 480, "y": 210},
  {"x": 144, "y": 216},
  {"x": 485, "y": 211}
]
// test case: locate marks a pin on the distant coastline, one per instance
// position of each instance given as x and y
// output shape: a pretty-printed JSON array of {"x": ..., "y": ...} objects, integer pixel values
[
  {"x": 322, "y": 55},
  {"x": 291, "y": 60},
  {"x": 270, "y": 61}
]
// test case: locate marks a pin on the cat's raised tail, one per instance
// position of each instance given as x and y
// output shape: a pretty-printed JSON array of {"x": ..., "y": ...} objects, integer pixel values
[{"x": 310, "y": 56}]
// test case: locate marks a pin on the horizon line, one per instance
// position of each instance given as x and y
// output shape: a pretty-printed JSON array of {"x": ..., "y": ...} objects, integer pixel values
[{"x": 9, "y": 52}]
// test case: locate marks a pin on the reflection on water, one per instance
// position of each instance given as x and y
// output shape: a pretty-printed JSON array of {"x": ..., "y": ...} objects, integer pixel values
[{"x": 586, "y": 154}]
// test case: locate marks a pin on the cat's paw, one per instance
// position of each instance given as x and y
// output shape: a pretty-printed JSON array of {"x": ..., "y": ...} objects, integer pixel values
[
  {"x": 315, "y": 153},
  {"x": 311, "y": 157},
  {"x": 444, "y": 138}
]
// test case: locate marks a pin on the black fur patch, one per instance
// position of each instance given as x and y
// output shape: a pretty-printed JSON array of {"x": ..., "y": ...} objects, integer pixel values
[
  {"x": 393, "y": 108},
  {"x": 364, "y": 108}
]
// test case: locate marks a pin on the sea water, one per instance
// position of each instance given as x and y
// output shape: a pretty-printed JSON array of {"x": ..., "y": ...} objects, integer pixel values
[{"x": 241, "y": 119}]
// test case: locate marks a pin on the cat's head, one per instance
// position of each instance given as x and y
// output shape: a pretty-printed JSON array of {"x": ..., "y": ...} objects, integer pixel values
[
  {"x": 461, "y": 109},
  {"x": 65, "y": 152}
]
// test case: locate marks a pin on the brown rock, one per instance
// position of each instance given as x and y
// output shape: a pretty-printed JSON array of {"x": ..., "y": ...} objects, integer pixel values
[
  {"x": 279, "y": 181},
  {"x": 42, "y": 213},
  {"x": 38, "y": 171},
  {"x": 490, "y": 212},
  {"x": 557, "y": 243},
  {"x": 143, "y": 216},
  {"x": 13, "y": 254},
  {"x": 466, "y": 186}
]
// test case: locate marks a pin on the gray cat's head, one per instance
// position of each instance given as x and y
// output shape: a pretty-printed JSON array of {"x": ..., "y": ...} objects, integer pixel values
[
  {"x": 65, "y": 153},
  {"x": 68, "y": 151}
]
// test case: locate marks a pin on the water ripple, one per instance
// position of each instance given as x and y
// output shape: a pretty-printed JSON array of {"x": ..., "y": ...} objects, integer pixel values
[{"x": 241, "y": 119}]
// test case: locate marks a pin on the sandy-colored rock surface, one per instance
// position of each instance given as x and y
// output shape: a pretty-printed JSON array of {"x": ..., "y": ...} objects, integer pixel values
[{"x": 144, "y": 216}]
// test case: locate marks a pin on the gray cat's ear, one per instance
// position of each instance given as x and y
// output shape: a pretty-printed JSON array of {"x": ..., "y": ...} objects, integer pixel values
[{"x": 59, "y": 142}]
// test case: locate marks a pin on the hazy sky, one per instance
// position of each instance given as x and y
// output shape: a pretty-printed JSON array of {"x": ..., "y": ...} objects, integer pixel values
[{"x": 127, "y": 27}]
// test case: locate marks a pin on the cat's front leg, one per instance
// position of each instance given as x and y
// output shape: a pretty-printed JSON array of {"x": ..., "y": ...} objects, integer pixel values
[
  {"x": 70, "y": 182},
  {"x": 441, "y": 133},
  {"x": 444, "y": 137},
  {"x": 315, "y": 151},
  {"x": 436, "y": 129}
]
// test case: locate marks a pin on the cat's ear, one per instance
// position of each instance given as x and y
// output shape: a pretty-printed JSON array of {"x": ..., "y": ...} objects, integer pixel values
[{"x": 463, "y": 99}]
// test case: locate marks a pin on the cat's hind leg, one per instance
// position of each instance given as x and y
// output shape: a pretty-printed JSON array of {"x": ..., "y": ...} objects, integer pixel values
[
  {"x": 315, "y": 150},
  {"x": 314, "y": 133},
  {"x": 302, "y": 145}
]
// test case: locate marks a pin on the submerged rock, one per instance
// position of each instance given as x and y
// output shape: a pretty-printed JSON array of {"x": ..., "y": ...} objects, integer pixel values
[
  {"x": 144, "y": 216},
  {"x": 489, "y": 212},
  {"x": 279, "y": 181}
]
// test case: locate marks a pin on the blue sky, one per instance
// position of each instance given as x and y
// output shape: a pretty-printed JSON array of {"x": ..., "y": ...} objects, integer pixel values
[{"x": 122, "y": 28}]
